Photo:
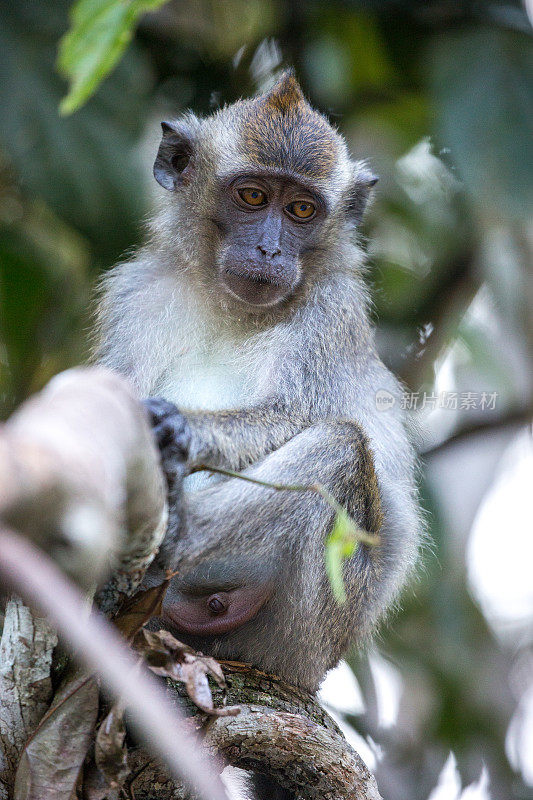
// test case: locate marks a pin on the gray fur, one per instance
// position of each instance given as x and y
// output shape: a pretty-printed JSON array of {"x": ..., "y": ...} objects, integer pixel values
[{"x": 302, "y": 380}]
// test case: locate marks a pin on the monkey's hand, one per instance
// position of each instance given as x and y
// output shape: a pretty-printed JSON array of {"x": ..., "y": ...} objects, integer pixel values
[{"x": 173, "y": 436}]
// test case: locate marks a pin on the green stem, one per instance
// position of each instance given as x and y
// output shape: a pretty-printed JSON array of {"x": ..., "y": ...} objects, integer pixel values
[{"x": 370, "y": 539}]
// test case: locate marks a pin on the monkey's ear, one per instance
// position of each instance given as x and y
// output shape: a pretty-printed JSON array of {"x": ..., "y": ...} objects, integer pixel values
[
  {"x": 359, "y": 193},
  {"x": 173, "y": 164}
]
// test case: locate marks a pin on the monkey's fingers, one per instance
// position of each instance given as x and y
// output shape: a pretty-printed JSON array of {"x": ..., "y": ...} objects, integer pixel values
[{"x": 171, "y": 430}]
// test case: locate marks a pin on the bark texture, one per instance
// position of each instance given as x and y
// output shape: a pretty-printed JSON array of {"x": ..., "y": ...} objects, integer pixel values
[
  {"x": 26, "y": 651},
  {"x": 281, "y": 731}
]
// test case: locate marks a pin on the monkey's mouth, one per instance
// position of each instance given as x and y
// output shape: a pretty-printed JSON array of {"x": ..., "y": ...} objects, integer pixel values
[{"x": 254, "y": 287}]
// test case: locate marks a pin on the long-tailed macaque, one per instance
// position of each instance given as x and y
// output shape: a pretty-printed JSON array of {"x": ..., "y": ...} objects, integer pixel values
[{"x": 247, "y": 315}]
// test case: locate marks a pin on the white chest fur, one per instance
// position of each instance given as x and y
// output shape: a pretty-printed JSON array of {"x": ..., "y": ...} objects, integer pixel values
[
  {"x": 206, "y": 362},
  {"x": 210, "y": 372},
  {"x": 209, "y": 375}
]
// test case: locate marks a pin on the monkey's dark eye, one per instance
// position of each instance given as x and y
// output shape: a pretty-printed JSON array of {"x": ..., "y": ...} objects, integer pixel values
[
  {"x": 301, "y": 209},
  {"x": 252, "y": 197}
]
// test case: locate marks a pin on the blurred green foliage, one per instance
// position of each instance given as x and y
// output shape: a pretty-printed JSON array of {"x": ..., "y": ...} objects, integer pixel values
[
  {"x": 101, "y": 30},
  {"x": 438, "y": 95}
]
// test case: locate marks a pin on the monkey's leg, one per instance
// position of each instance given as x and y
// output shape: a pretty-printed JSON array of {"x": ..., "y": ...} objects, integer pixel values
[
  {"x": 250, "y": 544},
  {"x": 335, "y": 454},
  {"x": 251, "y": 561}
]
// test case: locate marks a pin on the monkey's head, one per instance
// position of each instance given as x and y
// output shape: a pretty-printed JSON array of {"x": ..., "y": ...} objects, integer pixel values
[{"x": 260, "y": 186}]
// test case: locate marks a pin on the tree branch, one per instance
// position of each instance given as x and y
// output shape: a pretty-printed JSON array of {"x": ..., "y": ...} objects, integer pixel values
[
  {"x": 514, "y": 418},
  {"x": 25, "y": 685},
  {"x": 80, "y": 476},
  {"x": 281, "y": 731},
  {"x": 100, "y": 647}
]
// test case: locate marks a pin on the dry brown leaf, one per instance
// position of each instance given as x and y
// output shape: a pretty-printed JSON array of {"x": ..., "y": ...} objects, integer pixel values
[
  {"x": 168, "y": 657},
  {"x": 194, "y": 675},
  {"x": 52, "y": 758},
  {"x": 137, "y": 610},
  {"x": 110, "y": 752},
  {"x": 152, "y": 644},
  {"x": 95, "y": 787}
]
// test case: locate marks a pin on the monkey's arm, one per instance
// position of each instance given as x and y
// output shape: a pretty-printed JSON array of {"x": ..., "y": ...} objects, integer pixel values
[{"x": 227, "y": 439}]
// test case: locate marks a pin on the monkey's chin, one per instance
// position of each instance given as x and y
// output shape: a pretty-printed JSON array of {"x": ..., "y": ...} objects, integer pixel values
[{"x": 259, "y": 293}]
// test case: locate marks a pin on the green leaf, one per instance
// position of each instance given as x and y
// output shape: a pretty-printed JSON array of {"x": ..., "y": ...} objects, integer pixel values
[
  {"x": 340, "y": 544},
  {"x": 87, "y": 167},
  {"x": 100, "y": 32}
]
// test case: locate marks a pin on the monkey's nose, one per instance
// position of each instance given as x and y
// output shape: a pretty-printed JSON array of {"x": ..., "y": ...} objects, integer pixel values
[{"x": 270, "y": 252}]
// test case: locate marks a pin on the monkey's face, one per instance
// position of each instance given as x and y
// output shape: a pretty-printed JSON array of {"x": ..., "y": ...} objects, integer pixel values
[
  {"x": 266, "y": 223},
  {"x": 274, "y": 178}
]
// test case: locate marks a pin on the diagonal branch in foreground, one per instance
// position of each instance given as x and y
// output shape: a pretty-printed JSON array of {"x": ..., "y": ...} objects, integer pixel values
[{"x": 34, "y": 576}]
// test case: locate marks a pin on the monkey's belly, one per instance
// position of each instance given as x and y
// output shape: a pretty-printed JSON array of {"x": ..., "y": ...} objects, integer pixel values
[{"x": 217, "y": 612}]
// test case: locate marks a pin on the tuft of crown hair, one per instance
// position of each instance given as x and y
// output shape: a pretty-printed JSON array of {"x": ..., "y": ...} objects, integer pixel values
[{"x": 286, "y": 95}]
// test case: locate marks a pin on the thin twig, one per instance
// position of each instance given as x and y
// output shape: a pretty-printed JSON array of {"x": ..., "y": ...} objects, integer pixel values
[
  {"x": 513, "y": 419},
  {"x": 365, "y": 537}
]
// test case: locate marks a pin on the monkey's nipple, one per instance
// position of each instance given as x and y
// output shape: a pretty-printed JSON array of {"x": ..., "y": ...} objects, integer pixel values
[
  {"x": 216, "y": 613},
  {"x": 217, "y": 604}
]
